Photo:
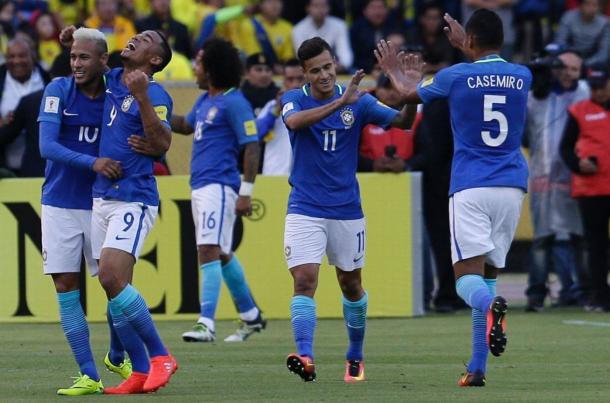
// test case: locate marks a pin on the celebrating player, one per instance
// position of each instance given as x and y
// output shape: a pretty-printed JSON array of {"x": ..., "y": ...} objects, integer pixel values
[
  {"x": 324, "y": 209},
  {"x": 488, "y": 100},
  {"x": 222, "y": 121},
  {"x": 124, "y": 209},
  {"x": 70, "y": 124}
]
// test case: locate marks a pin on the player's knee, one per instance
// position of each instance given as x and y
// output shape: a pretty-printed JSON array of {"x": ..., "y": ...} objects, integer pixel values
[
  {"x": 305, "y": 285},
  {"x": 351, "y": 286},
  {"x": 208, "y": 253}
]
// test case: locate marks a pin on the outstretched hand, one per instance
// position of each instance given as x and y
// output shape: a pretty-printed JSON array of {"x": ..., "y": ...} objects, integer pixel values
[
  {"x": 455, "y": 32},
  {"x": 413, "y": 68},
  {"x": 389, "y": 61},
  {"x": 351, "y": 94}
]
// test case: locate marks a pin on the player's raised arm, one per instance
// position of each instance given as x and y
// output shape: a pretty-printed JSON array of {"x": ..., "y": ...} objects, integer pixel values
[
  {"x": 405, "y": 72},
  {"x": 306, "y": 118},
  {"x": 455, "y": 32},
  {"x": 158, "y": 134}
]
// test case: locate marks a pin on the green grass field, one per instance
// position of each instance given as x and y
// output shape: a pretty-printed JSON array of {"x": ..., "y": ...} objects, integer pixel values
[{"x": 407, "y": 360}]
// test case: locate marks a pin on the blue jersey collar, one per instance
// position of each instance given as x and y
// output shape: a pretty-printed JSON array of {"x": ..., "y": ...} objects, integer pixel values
[{"x": 490, "y": 58}]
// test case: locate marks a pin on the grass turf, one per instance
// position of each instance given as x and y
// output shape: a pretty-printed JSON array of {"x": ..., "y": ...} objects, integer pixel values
[{"x": 414, "y": 360}]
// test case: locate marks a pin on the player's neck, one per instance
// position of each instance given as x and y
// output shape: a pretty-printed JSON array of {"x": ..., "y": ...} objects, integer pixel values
[
  {"x": 478, "y": 54},
  {"x": 322, "y": 96},
  {"x": 93, "y": 89},
  {"x": 128, "y": 69},
  {"x": 213, "y": 91}
]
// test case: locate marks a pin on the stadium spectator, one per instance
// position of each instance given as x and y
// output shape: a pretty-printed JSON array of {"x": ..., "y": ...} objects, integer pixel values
[
  {"x": 222, "y": 122},
  {"x": 24, "y": 121},
  {"x": 504, "y": 9},
  {"x": 258, "y": 87},
  {"x": 332, "y": 29},
  {"x": 585, "y": 148},
  {"x": 324, "y": 208},
  {"x": 277, "y": 159},
  {"x": 118, "y": 29},
  {"x": 385, "y": 150},
  {"x": 161, "y": 20},
  {"x": 587, "y": 31},
  {"x": 428, "y": 32},
  {"x": 297, "y": 10},
  {"x": 47, "y": 34},
  {"x": 269, "y": 34},
  {"x": 555, "y": 217},
  {"x": 20, "y": 76},
  {"x": 489, "y": 173},
  {"x": 224, "y": 22},
  {"x": 376, "y": 24}
]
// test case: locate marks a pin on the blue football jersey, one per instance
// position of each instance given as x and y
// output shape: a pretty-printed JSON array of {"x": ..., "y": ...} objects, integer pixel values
[
  {"x": 222, "y": 124},
  {"x": 79, "y": 117},
  {"x": 121, "y": 119},
  {"x": 488, "y": 102},
  {"x": 323, "y": 177}
]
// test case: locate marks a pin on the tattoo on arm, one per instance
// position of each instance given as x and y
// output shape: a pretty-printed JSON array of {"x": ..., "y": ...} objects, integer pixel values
[{"x": 251, "y": 160}]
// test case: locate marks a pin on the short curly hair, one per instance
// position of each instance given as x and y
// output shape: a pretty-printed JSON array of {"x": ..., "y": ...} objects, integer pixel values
[{"x": 222, "y": 62}]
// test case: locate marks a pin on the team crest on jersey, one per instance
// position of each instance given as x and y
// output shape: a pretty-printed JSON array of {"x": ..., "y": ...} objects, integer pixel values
[
  {"x": 127, "y": 103},
  {"x": 347, "y": 116},
  {"x": 211, "y": 114}
]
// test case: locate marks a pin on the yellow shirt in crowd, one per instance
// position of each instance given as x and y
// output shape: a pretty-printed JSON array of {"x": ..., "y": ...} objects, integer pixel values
[
  {"x": 122, "y": 31},
  {"x": 279, "y": 35}
]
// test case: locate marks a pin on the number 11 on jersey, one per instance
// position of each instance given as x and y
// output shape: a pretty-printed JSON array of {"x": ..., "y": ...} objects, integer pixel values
[{"x": 332, "y": 134}]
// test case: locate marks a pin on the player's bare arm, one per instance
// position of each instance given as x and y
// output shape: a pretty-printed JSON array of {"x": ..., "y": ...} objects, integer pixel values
[
  {"x": 405, "y": 72},
  {"x": 309, "y": 117},
  {"x": 158, "y": 134},
  {"x": 179, "y": 125},
  {"x": 455, "y": 32},
  {"x": 405, "y": 118},
  {"x": 252, "y": 153}
]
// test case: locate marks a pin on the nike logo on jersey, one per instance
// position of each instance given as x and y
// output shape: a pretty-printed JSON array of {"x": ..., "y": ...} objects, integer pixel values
[
  {"x": 66, "y": 113},
  {"x": 357, "y": 260},
  {"x": 118, "y": 238},
  {"x": 108, "y": 91}
]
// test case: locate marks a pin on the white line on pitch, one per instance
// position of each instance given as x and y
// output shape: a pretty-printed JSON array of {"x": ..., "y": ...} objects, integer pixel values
[{"x": 586, "y": 323}]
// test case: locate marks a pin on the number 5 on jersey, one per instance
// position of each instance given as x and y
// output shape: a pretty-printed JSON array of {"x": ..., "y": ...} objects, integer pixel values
[{"x": 489, "y": 114}]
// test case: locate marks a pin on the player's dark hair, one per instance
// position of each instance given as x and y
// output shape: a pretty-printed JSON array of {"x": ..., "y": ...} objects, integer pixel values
[
  {"x": 222, "y": 62},
  {"x": 166, "y": 55},
  {"x": 312, "y": 48},
  {"x": 486, "y": 27}
]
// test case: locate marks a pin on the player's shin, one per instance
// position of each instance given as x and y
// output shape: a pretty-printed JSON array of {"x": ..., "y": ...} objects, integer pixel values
[
  {"x": 355, "y": 320},
  {"x": 472, "y": 289},
  {"x": 211, "y": 281},
  {"x": 303, "y": 316},
  {"x": 235, "y": 279},
  {"x": 75, "y": 328},
  {"x": 133, "y": 306},
  {"x": 130, "y": 340}
]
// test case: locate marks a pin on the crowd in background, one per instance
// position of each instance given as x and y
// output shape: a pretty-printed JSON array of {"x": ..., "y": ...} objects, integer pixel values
[{"x": 268, "y": 33}]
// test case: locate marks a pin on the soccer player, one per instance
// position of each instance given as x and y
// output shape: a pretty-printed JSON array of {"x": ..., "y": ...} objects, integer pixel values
[
  {"x": 488, "y": 100},
  {"x": 324, "y": 209},
  {"x": 124, "y": 209},
  {"x": 223, "y": 121},
  {"x": 70, "y": 126}
]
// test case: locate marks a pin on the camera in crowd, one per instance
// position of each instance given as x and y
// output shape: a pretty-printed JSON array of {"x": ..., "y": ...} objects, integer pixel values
[{"x": 542, "y": 74}]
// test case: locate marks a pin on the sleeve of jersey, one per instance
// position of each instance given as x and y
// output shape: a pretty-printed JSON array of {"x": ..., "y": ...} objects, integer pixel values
[
  {"x": 241, "y": 119},
  {"x": 163, "y": 105},
  {"x": 51, "y": 149},
  {"x": 290, "y": 104},
  {"x": 376, "y": 112},
  {"x": 52, "y": 104},
  {"x": 191, "y": 117},
  {"x": 436, "y": 87}
]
